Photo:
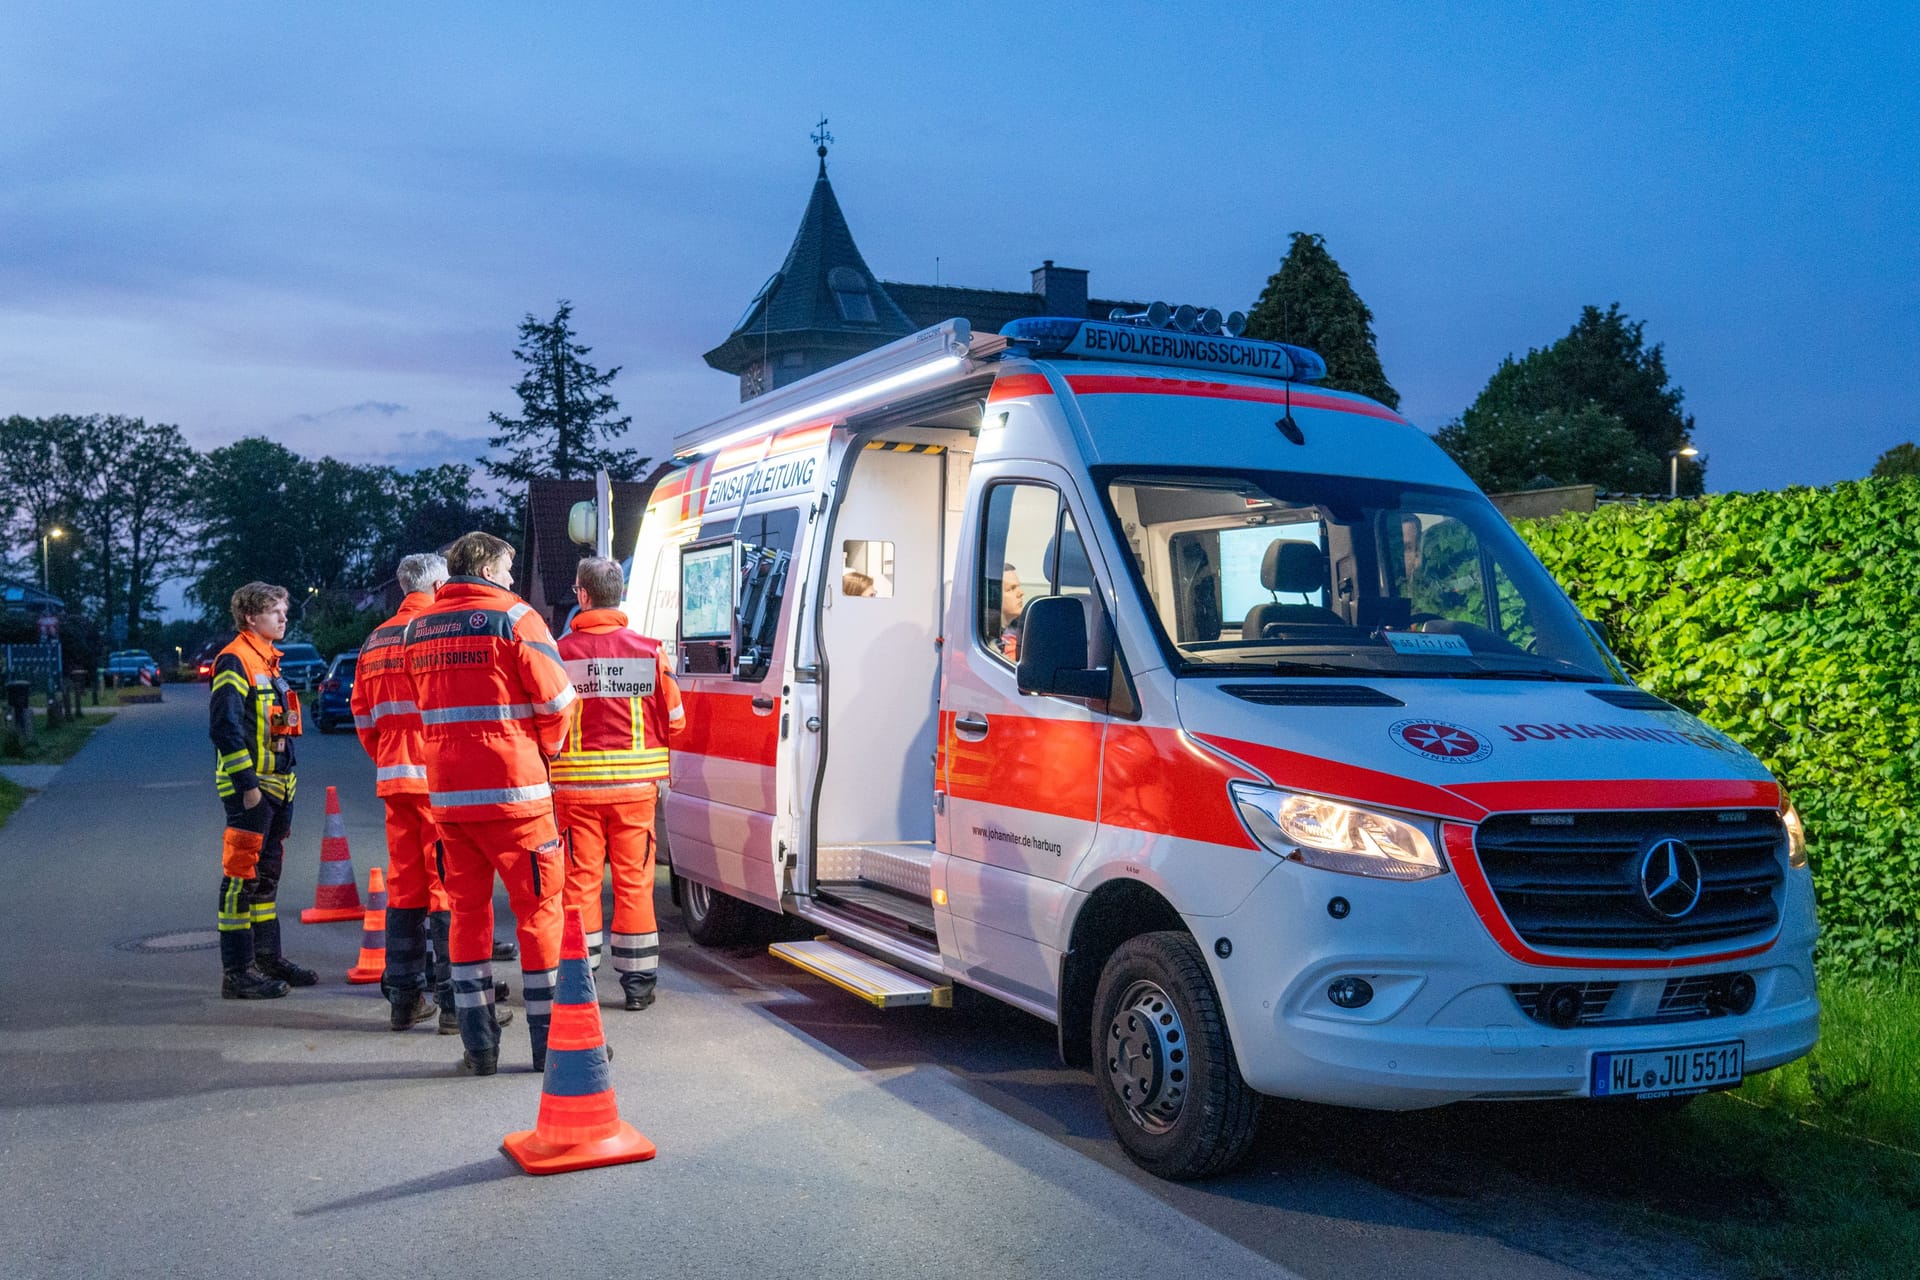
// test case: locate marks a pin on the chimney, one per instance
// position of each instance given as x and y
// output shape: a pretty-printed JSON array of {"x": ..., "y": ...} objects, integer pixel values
[{"x": 1063, "y": 290}]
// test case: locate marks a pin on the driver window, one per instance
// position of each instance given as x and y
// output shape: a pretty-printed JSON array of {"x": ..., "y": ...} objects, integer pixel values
[{"x": 1031, "y": 549}]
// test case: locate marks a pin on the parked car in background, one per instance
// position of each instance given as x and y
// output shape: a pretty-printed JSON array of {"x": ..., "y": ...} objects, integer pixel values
[
  {"x": 203, "y": 660},
  {"x": 132, "y": 666},
  {"x": 302, "y": 666},
  {"x": 334, "y": 708}
]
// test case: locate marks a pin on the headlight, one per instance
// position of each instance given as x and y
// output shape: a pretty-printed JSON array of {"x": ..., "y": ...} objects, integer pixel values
[
  {"x": 1796, "y": 836},
  {"x": 1338, "y": 837}
]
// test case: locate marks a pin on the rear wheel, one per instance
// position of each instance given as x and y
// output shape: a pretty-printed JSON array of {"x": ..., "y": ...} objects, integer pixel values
[
  {"x": 714, "y": 919},
  {"x": 1163, "y": 1063}
]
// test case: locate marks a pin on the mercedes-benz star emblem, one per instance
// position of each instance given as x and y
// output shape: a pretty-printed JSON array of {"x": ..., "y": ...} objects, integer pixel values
[{"x": 1670, "y": 879}]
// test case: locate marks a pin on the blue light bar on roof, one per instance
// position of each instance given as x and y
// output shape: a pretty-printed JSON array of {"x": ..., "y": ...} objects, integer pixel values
[{"x": 1103, "y": 340}]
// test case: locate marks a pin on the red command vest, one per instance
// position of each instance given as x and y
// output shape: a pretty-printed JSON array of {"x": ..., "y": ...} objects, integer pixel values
[{"x": 617, "y": 744}]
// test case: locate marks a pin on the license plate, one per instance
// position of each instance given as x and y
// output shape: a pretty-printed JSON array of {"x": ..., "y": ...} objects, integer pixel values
[{"x": 1665, "y": 1073}]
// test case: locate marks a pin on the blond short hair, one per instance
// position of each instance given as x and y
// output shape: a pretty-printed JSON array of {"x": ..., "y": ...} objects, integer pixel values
[
  {"x": 602, "y": 580},
  {"x": 252, "y": 600},
  {"x": 472, "y": 552}
]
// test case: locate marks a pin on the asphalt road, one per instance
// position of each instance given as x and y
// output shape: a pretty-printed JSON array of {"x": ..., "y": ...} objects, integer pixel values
[{"x": 149, "y": 1128}]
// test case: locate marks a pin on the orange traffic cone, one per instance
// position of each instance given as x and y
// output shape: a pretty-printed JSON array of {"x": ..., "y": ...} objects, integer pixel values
[
  {"x": 373, "y": 934},
  {"x": 335, "y": 897},
  {"x": 579, "y": 1124}
]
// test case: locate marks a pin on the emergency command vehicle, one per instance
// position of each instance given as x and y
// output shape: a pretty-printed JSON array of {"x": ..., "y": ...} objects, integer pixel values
[{"x": 1113, "y": 669}]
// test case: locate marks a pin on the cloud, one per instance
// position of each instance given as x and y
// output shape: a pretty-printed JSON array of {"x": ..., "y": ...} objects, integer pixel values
[{"x": 384, "y": 408}]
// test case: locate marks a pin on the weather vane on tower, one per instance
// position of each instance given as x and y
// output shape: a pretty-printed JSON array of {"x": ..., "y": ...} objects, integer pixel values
[{"x": 822, "y": 139}]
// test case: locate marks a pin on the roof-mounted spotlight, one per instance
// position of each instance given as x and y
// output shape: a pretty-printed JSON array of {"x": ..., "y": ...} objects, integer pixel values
[
  {"x": 1236, "y": 323},
  {"x": 1186, "y": 319},
  {"x": 1210, "y": 320}
]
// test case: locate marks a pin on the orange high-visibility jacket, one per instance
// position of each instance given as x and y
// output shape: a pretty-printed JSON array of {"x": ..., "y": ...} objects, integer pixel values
[
  {"x": 617, "y": 742},
  {"x": 253, "y": 714},
  {"x": 493, "y": 701},
  {"x": 384, "y": 714}
]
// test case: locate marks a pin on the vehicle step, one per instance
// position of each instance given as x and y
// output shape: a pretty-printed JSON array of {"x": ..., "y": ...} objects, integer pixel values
[{"x": 879, "y": 984}]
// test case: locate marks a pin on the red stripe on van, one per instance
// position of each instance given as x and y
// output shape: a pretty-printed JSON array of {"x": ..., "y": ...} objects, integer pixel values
[
  {"x": 1159, "y": 780},
  {"x": 724, "y": 725},
  {"x": 1299, "y": 772},
  {"x": 1651, "y": 793},
  {"x": 1114, "y": 384},
  {"x": 1466, "y": 868},
  {"x": 1028, "y": 762},
  {"x": 1019, "y": 384}
]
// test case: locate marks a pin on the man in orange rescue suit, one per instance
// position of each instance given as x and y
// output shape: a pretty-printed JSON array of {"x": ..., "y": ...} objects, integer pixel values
[
  {"x": 254, "y": 716},
  {"x": 389, "y": 726},
  {"x": 605, "y": 781},
  {"x": 493, "y": 700}
]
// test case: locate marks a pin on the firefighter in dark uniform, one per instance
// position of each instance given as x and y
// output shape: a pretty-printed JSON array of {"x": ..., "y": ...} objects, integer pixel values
[{"x": 254, "y": 718}]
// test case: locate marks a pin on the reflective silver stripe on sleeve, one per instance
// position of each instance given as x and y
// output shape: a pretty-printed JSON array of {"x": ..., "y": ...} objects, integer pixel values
[
  {"x": 395, "y": 772},
  {"x": 363, "y": 722},
  {"x": 518, "y": 612},
  {"x": 542, "y": 647},
  {"x": 559, "y": 702},
  {"x": 394, "y": 709},
  {"x": 498, "y": 795},
  {"x": 463, "y": 715}
]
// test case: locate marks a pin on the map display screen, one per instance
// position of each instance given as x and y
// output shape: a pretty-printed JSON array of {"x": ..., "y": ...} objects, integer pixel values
[{"x": 707, "y": 577}]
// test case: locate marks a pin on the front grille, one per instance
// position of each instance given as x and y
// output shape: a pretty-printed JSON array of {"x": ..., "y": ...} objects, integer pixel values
[
  {"x": 1572, "y": 881},
  {"x": 1312, "y": 695},
  {"x": 1680, "y": 1000},
  {"x": 1594, "y": 998}
]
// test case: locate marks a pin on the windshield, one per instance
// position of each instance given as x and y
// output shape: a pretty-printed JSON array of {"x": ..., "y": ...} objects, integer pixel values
[
  {"x": 300, "y": 652},
  {"x": 1293, "y": 574}
]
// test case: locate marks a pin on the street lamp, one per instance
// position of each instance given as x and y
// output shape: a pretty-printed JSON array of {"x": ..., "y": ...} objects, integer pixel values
[
  {"x": 54, "y": 532},
  {"x": 1673, "y": 463}
]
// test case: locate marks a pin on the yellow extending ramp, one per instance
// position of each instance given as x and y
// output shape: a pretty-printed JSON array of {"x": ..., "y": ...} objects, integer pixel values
[{"x": 879, "y": 984}]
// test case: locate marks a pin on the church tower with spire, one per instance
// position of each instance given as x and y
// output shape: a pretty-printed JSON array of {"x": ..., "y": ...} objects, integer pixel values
[
  {"x": 824, "y": 305},
  {"x": 821, "y": 307}
]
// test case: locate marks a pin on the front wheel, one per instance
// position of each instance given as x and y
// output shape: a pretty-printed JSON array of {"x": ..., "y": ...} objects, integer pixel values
[
  {"x": 1163, "y": 1063},
  {"x": 713, "y": 919}
]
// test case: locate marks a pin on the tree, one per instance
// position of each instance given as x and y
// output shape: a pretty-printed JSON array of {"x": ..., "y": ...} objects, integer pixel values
[
  {"x": 1509, "y": 451},
  {"x": 1600, "y": 376},
  {"x": 566, "y": 427},
  {"x": 1901, "y": 460},
  {"x": 1310, "y": 301}
]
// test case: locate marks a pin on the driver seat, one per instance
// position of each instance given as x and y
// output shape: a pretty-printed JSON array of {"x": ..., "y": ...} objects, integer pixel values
[{"x": 1297, "y": 568}]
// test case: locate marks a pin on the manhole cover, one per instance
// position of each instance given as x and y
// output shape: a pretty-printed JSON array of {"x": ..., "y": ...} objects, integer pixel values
[{"x": 174, "y": 940}]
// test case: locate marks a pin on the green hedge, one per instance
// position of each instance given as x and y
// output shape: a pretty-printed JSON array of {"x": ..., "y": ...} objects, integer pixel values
[{"x": 1788, "y": 620}]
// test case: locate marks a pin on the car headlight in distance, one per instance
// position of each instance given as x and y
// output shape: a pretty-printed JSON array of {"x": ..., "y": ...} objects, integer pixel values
[
  {"x": 1338, "y": 837},
  {"x": 1796, "y": 835}
]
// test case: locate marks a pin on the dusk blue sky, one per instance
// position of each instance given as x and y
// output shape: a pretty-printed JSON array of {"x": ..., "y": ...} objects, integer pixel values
[{"x": 323, "y": 222}]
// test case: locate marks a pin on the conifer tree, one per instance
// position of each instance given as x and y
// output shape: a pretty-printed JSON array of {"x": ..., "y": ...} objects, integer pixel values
[
  {"x": 1310, "y": 302},
  {"x": 566, "y": 425}
]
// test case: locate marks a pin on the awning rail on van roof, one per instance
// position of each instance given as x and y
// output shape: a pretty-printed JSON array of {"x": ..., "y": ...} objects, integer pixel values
[{"x": 913, "y": 364}]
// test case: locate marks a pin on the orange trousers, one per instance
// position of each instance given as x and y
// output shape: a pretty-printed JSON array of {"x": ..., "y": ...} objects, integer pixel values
[
  {"x": 526, "y": 854},
  {"x": 413, "y": 871},
  {"x": 621, "y": 834}
]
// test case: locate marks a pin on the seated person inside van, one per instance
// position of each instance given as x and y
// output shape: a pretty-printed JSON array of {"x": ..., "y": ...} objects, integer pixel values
[{"x": 1004, "y": 613}]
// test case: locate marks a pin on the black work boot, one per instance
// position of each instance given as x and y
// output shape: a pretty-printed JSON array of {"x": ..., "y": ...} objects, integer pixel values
[
  {"x": 412, "y": 1007},
  {"x": 639, "y": 991},
  {"x": 266, "y": 948},
  {"x": 248, "y": 984},
  {"x": 479, "y": 1062}
]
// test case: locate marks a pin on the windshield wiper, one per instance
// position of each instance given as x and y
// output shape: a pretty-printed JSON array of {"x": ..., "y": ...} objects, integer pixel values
[{"x": 1516, "y": 673}]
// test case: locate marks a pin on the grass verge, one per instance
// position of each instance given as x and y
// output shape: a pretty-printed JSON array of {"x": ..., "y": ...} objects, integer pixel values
[
  {"x": 1864, "y": 1078},
  {"x": 52, "y": 746},
  {"x": 12, "y": 796}
]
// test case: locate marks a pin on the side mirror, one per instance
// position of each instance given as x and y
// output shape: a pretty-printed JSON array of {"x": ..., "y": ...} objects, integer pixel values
[
  {"x": 1599, "y": 629},
  {"x": 1053, "y": 651}
]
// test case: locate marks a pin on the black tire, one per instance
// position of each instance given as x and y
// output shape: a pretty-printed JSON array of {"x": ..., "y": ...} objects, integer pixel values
[
  {"x": 714, "y": 919},
  {"x": 1163, "y": 1063}
]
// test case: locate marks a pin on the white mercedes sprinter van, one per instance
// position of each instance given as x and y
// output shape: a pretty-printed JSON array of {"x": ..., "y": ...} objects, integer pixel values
[{"x": 1118, "y": 672}]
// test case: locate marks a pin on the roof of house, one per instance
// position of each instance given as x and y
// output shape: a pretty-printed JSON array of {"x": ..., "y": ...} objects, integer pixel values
[
  {"x": 24, "y": 597},
  {"x": 817, "y": 291},
  {"x": 987, "y": 310}
]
